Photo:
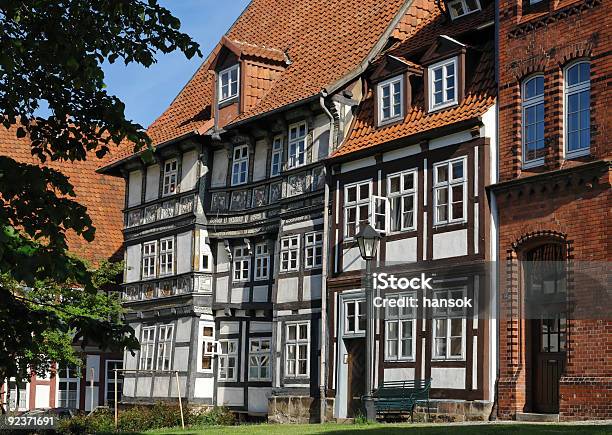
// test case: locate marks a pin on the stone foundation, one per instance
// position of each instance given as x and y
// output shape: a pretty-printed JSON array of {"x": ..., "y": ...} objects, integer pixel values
[
  {"x": 454, "y": 410},
  {"x": 293, "y": 409}
]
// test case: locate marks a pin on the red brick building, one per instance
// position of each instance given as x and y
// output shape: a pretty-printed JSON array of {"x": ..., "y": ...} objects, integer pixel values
[{"x": 553, "y": 199}]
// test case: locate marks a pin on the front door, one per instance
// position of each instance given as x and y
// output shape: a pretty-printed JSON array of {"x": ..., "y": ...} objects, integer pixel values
[
  {"x": 356, "y": 375},
  {"x": 548, "y": 363}
]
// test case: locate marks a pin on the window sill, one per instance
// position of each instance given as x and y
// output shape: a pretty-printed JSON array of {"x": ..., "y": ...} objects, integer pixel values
[
  {"x": 400, "y": 360},
  {"x": 390, "y": 121},
  {"x": 442, "y": 106},
  {"x": 449, "y": 224},
  {"x": 228, "y": 101},
  {"x": 569, "y": 155},
  {"x": 533, "y": 163}
]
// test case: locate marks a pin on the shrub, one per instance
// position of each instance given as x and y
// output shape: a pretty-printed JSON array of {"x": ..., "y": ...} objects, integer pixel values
[{"x": 216, "y": 416}]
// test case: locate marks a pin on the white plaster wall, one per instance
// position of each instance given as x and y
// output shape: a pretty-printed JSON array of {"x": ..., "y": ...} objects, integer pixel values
[
  {"x": 88, "y": 391},
  {"x": 219, "y": 170},
  {"x": 182, "y": 385},
  {"x": 258, "y": 399},
  {"x": 287, "y": 290},
  {"x": 401, "y": 153},
  {"x": 451, "y": 139},
  {"x": 312, "y": 287},
  {"x": 260, "y": 293},
  {"x": 183, "y": 329},
  {"x": 181, "y": 358},
  {"x": 93, "y": 362},
  {"x": 239, "y": 295},
  {"x": 260, "y": 162},
  {"x": 42, "y": 396},
  {"x": 357, "y": 164},
  {"x": 402, "y": 251},
  {"x": 399, "y": 374},
  {"x": 448, "y": 377},
  {"x": 229, "y": 327},
  {"x": 222, "y": 293},
  {"x": 143, "y": 387},
  {"x": 161, "y": 386},
  {"x": 183, "y": 252},
  {"x": 260, "y": 327},
  {"x": 351, "y": 260},
  {"x": 204, "y": 387},
  {"x": 128, "y": 387},
  {"x": 450, "y": 244},
  {"x": 132, "y": 261},
  {"x": 320, "y": 138},
  {"x": 134, "y": 187},
  {"x": 152, "y": 183},
  {"x": 229, "y": 396},
  {"x": 222, "y": 258},
  {"x": 189, "y": 170}
]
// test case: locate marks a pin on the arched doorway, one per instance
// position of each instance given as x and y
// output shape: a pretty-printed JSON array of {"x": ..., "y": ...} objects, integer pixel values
[{"x": 545, "y": 295}]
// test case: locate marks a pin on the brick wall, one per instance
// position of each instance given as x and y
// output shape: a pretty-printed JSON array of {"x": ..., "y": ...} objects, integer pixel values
[{"x": 567, "y": 201}]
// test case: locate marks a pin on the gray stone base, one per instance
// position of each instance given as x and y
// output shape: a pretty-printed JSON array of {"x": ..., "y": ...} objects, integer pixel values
[
  {"x": 453, "y": 410},
  {"x": 293, "y": 409}
]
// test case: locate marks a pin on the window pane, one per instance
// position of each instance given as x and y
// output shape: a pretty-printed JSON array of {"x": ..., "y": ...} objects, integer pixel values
[
  {"x": 394, "y": 184},
  {"x": 457, "y": 170},
  {"x": 392, "y": 330},
  {"x": 455, "y": 346},
  {"x": 442, "y": 173},
  {"x": 408, "y": 181}
]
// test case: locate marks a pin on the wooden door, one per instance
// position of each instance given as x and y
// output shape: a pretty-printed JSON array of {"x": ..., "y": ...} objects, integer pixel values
[
  {"x": 548, "y": 363},
  {"x": 356, "y": 375}
]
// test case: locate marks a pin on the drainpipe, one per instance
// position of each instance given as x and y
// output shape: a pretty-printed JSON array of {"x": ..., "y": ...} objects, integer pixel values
[{"x": 323, "y": 368}]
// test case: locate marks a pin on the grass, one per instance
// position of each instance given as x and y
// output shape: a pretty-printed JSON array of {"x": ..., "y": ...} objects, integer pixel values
[{"x": 394, "y": 429}]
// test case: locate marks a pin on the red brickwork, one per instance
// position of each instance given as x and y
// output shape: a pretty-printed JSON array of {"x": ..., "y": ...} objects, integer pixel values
[{"x": 564, "y": 201}]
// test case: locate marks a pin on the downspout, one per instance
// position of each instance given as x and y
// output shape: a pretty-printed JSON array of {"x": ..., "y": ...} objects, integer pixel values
[{"x": 324, "y": 334}]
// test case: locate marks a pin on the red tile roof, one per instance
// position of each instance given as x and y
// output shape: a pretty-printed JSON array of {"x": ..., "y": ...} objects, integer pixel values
[
  {"x": 324, "y": 40},
  {"x": 101, "y": 194},
  {"x": 419, "y": 29}
]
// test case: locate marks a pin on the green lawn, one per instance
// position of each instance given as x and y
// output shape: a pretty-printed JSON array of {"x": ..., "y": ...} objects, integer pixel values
[{"x": 395, "y": 429}]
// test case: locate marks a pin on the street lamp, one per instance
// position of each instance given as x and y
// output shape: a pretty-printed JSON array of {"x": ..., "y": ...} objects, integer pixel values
[{"x": 369, "y": 239}]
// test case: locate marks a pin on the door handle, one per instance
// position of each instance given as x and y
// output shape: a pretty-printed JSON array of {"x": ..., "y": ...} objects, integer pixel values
[{"x": 553, "y": 361}]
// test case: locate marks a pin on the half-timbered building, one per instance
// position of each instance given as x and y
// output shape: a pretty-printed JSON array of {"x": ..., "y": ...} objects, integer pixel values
[{"x": 415, "y": 165}]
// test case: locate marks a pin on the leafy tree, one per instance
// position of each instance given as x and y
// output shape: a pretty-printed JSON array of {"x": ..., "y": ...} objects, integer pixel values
[{"x": 52, "y": 91}]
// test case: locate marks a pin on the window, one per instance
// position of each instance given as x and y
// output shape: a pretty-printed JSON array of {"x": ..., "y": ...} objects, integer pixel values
[
  {"x": 259, "y": 359},
  {"x": 166, "y": 256},
  {"x": 242, "y": 263},
  {"x": 228, "y": 83},
  {"x": 390, "y": 100},
  {"x": 356, "y": 207},
  {"x": 228, "y": 360},
  {"x": 17, "y": 399},
  {"x": 297, "y": 145},
  {"x": 533, "y": 121},
  {"x": 314, "y": 249},
  {"x": 240, "y": 165},
  {"x": 354, "y": 316},
  {"x": 109, "y": 398},
  {"x": 170, "y": 173},
  {"x": 149, "y": 256},
  {"x": 209, "y": 348},
  {"x": 443, "y": 84},
  {"x": 68, "y": 387},
  {"x": 277, "y": 156},
  {"x": 400, "y": 328},
  {"x": 401, "y": 191},
  {"x": 147, "y": 348},
  {"x": 459, "y": 8},
  {"x": 577, "y": 109},
  {"x": 450, "y": 190},
  {"x": 164, "y": 347},
  {"x": 297, "y": 348},
  {"x": 262, "y": 261},
  {"x": 449, "y": 327},
  {"x": 290, "y": 253}
]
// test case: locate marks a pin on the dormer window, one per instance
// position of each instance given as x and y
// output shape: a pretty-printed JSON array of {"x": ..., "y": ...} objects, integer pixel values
[
  {"x": 390, "y": 100},
  {"x": 459, "y": 8},
  {"x": 228, "y": 83},
  {"x": 443, "y": 84}
]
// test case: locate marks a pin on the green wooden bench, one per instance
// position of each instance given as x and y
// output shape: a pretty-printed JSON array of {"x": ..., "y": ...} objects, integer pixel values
[{"x": 401, "y": 396}]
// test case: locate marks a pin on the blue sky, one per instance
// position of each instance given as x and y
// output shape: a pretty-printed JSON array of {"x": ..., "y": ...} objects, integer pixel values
[{"x": 147, "y": 92}]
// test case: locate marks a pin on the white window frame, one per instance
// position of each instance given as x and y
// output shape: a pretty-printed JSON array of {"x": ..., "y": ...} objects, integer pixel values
[
  {"x": 403, "y": 195},
  {"x": 357, "y": 205},
  {"x": 276, "y": 167},
  {"x": 393, "y": 114},
  {"x": 260, "y": 359},
  {"x": 149, "y": 259},
  {"x": 146, "y": 357},
  {"x": 165, "y": 338},
  {"x": 431, "y": 92},
  {"x": 241, "y": 263},
  {"x": 358, "y": 304},
  {"x": 262, "y": 262},
  {"x": 448, "y": 185},
  {"x": 207, "y": 347},
  {"x": 14, "y": 403},
  {"x": 224, "y": 358},
  {"x": 448, "y": 315},
  {"x": 528, "y": 103},
  {"x": 313, "y": 250},
  {"x": 227, "y": 74},
  {"x": 290, "y": 253},
  {"x": 110, "y": 381},
  {"x": 64, "y": 376},
  {"x": 170, "y": 177},
  {"x": 240, "y": 165},
  {"x": 297, "y": 343},
  {"x": 297, "y": 145},
  {"x": 166, "y": 256},
  {"x": 404, "y": 315},
  {"x": 567, "y": 92},
  {"x": 464, "y": 6}
]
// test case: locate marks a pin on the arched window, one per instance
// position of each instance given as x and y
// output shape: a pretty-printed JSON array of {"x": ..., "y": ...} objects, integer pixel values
[
  {"x": 533, "y": 121},
  {"x": 577, "y": 109}
]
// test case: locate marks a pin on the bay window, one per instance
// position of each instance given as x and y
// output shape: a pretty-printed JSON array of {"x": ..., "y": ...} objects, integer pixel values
[{"x": 450, "y": 191}]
